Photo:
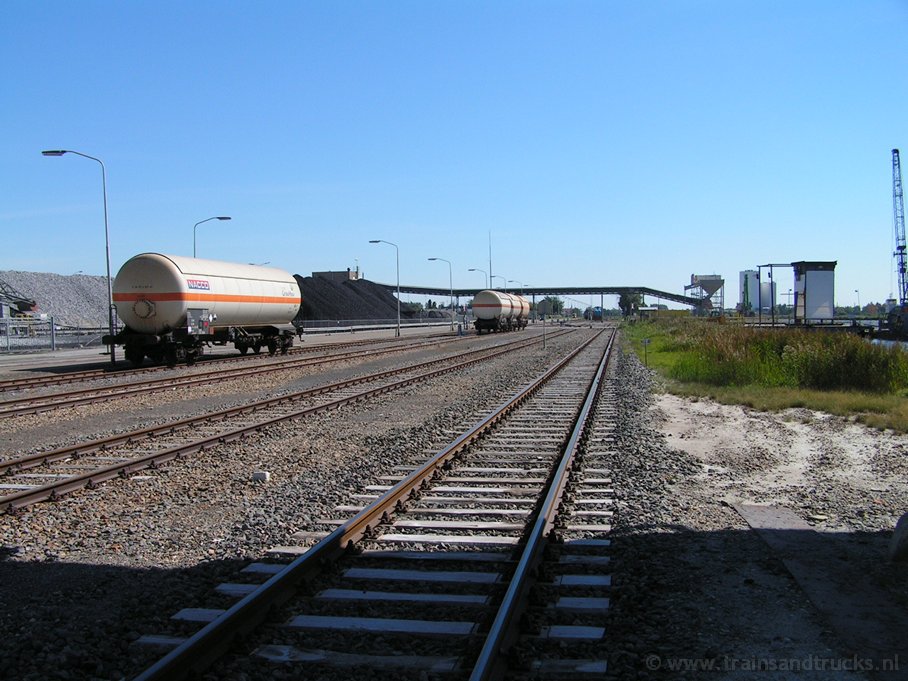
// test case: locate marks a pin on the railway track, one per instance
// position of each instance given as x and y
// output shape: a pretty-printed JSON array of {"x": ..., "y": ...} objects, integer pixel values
[
  {"x": 51, "y": 474},
  {"x": 69, "y": 377},
  {"x": 34, "y": 404},
  {"x": 441, "y": 571}
]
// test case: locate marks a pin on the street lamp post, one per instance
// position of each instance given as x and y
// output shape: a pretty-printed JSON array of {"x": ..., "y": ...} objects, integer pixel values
[
  {"x": 522, "y": 291},
  {"x": 500, "y": 277},
  {"x": 476, "y": 269},
  {"x": 451, "y": 285},
  {"x": 859, "y": 300},
  {"x": 397, "y": 262},
  {"x": 196, "y": 225},
  {"x": 111, "y": 310},
  {"x": 517, "y": 281}
]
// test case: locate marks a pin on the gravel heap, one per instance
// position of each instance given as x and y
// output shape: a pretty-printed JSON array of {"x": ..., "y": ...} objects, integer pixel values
[
  {"x": 81, "y": 299},
  {"x": 72, "y": 300}
]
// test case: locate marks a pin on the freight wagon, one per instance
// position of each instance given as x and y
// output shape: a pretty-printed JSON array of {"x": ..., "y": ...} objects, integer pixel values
[
  {"x": 499, "y": 311},
  {"x": 174, "y": 306}
]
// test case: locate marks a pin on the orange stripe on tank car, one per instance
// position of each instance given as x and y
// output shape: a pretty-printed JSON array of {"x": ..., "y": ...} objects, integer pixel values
[{"x": 202, "y": 298}]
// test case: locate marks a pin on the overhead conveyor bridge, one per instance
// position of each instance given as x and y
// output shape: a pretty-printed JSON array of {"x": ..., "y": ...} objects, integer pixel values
[{"x": 700, "y": 303}]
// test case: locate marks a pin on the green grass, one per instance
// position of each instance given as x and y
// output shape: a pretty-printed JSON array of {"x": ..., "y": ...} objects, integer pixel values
[{"x": 838, "y": 373}]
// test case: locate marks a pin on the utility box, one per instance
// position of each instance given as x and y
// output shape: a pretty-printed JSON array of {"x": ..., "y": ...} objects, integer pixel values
[{"x": 814, "y": 290}]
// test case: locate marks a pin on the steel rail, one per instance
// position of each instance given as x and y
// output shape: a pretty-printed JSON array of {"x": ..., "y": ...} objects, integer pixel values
[
  {"x": 42, "y": 403},
  {"x": 108, "y": 372},
  {"x": 198, "y": 652},
  {"x": 32, "y": 460},
  {"x": 18, "y": 500},
  {"x": 491, "y": 662}
]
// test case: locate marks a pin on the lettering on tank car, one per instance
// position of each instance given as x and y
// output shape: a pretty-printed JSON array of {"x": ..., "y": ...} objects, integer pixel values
[{"x": 198, "y": 284}]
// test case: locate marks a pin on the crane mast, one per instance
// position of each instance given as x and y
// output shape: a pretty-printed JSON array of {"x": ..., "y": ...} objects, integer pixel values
[{"x": 898, "y": 212}]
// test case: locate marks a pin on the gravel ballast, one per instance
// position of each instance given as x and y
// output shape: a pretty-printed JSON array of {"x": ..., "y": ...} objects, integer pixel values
[
  {"x": 161, "y": 540},
  {"x": 694, "y": 586}
]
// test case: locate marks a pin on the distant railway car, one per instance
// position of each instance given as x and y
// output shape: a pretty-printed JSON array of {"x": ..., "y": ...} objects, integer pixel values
[
  {"x": 499, "y": 311},
  {"x": 173, "y": 305}
]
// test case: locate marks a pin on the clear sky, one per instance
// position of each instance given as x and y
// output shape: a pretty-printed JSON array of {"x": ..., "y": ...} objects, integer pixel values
[{"x": 599, "y": 143}]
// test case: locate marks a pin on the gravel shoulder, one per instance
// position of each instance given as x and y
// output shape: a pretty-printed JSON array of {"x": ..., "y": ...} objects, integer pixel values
[{"x": 699, "y": 593}]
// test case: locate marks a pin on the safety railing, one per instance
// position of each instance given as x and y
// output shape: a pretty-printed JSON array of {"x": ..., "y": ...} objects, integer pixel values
[{"x": 24, "y": 334}]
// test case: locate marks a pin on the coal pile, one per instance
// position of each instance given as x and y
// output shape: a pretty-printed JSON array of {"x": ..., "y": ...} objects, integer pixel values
[
  {"x": 80, "y": 300},
  {"x": 352, "y": 299}
]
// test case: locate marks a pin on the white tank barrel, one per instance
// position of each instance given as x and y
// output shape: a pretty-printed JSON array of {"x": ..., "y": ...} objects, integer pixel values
[
  {"x": 496, "y": 310},
  {"x": 154, "y": 293},
  {"x": 493, "y": 305}
]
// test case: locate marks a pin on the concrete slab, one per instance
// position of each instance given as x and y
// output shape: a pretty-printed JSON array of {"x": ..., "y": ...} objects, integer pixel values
[{"x": 865, "y": 621}]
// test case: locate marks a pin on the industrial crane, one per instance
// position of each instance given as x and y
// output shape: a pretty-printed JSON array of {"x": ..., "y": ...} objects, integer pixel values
[
  {"x": 10, "y": 296},
  {"x": 898, "y": 316}
]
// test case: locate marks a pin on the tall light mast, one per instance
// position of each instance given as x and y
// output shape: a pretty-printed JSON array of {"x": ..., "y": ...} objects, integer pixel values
[{"x": 898, "y": 212}]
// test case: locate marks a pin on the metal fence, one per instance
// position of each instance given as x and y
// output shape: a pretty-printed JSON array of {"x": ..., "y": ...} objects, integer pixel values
[
  {"x": 18, "y": 334},
  {"x": 23, "y": 334},
  {"x": 332, "y": 325}
]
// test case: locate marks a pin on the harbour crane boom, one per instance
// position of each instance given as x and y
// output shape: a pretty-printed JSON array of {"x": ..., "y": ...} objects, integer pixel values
[
  {"x": 898, "y": 212},
  {"x": 897, "y": 318}
]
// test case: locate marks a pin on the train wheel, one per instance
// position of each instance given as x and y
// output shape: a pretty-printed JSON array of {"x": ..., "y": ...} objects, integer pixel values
[
  {"x": 256, "y": 348},
  {"x": 243, "y": 349},
  {"x": 272, "y": 346}
]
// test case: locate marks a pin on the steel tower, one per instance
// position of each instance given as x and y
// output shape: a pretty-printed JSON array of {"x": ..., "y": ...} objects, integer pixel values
[{"x": 898, "y": 212}]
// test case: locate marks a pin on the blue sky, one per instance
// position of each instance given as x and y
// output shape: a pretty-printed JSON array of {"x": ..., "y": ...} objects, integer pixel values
[{"x": 600, "y": 143}]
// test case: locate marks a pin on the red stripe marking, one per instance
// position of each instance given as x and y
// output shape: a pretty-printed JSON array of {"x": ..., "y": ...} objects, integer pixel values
[{"x": 204, "y": 298}]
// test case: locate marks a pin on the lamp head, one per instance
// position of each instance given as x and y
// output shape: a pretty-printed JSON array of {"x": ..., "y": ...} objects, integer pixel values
[
  {"x": 54, "y": 152},
  {"x": 374, "y": 241},
  {"x": 225, "y": 217},
  {"x": 433, "y": 258}
]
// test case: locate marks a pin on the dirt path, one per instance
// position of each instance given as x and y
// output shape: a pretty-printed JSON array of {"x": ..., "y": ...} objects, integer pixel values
[{"x": 811, "y": 593}]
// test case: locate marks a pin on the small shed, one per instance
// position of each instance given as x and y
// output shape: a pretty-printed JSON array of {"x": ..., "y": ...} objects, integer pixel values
[{"x": 814, "y": 290}]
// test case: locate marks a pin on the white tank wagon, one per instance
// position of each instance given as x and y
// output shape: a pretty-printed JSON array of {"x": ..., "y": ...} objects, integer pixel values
[
  {"x": 499, "y": 311},
  {"x": 173, "y": 305}
]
